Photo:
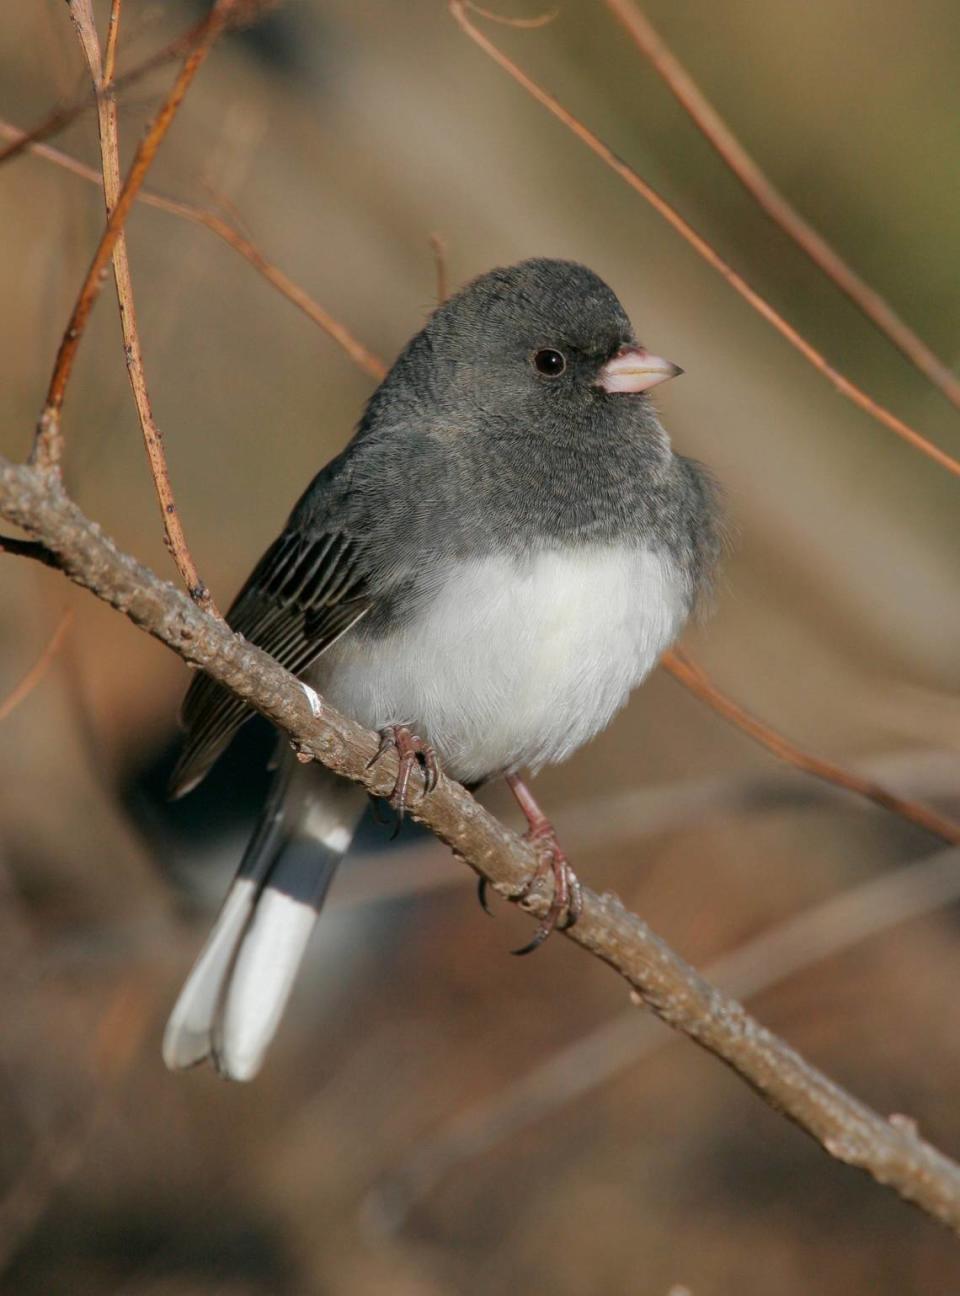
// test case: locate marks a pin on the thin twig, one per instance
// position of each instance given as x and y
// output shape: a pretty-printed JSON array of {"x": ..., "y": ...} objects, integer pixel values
[
  {"x": 358, "y": 353},
  {"x": 81, "y": 11},
  {"x": 110, "y": 54},
  {"x": 61, "y": 117},
  {"x": 438, "y": 247},
  {"x": 523, "y": 24},
  {"x": 39, "y": 668},
  {"x": 232, "y": 236},
  {"x": 694, "y": 678},
  {"x": 892, "y": 1152},
  {"x": 48, "y": 446},
  {"x": 782, "y": 212},
  {"x": 820, "y": 932},
  {"x": 705, "y": 249},
  {"x": 376, "y": 368}
]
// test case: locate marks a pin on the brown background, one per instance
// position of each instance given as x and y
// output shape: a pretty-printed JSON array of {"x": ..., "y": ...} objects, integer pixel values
[{"x": 343, "y": 134}]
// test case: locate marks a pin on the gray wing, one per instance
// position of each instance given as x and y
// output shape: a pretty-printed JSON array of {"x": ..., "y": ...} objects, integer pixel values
[{"x": 307, "y": 590}]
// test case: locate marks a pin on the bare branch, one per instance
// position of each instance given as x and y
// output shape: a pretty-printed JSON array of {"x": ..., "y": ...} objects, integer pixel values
[
  {"x": 376, "y": 368},
  {"x": 231, "y": 235},
  {"x": 683, "y": 670},
  {"x": 818, "y": 933},
  {"x": 892, "y": 1152},
  {"x": 61, "y": 117},
  {"x": 694, "y": 678},
  {"x": 705, "y": 249},
  {"x": 110, "y": 54},
  {"x": 81, "y": 11},
  {"x": 39, "y": 668},
  {"x": 780, "y": 211},
  {"x": 523, "y": 24},
  {"x": 439, "y": 249},
  {"x": 47, "y": 446}
]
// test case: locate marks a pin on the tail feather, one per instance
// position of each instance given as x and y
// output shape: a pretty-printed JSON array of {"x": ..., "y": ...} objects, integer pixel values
[
  {"x": 267, "y": 961},
  {"x": 187, "y": 1038},
  {"x": 233, "y": 1000}
]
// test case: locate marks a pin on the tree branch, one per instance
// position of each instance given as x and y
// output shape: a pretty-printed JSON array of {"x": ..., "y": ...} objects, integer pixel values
[
  {"x": 820, "y": 932},
  {"x": 695, "y": 679},
  {"x": 39, "y": 668},
  {"x": 47, "y": 446},
  {"x": 438, "y": 247},
  {"x": 364, "y": 359},
  {"x": 685, "y": 672},
  {"x": 61, "y": 117},
  {"x": 81, "y": 11},
  {"x": 458, "y": 8},
  {"x": 892, "y": 1152},
  {"x": 867, "y": 300}
]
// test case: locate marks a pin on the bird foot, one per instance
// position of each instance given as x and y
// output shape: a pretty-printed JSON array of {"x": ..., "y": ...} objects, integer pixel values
[
  {"x": 412, "y": 752},
  {"x": 567, "y": 891},
  {"x": 567, "y": 902}
]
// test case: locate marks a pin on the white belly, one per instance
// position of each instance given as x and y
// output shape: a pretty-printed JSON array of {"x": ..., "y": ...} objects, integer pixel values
[{"x": 515, "y": 662}]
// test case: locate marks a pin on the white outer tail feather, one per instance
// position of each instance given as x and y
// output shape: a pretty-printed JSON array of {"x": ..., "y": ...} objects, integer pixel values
[
  {"x": 234, "y": 998},
  {"x": 187, "y": 1038},
  {"x": 260, "y": 983}
]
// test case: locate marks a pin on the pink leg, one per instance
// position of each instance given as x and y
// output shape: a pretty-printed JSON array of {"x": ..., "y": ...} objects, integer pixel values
[{"x": 567, "y": 902}]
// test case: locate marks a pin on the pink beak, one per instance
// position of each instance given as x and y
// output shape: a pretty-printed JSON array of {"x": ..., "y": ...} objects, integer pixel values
[{"x": 634, "y": 370}]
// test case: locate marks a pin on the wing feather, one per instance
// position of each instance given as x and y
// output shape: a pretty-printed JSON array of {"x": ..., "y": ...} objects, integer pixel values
[{"x": 306, "y": 591}]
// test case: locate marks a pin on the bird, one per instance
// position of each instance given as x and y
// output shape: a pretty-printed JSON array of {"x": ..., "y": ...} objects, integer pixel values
[{"x": 499, "y": 556}]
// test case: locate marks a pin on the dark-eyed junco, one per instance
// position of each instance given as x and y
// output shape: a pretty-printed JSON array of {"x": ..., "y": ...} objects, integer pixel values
[{"x": 497, "y": 558}]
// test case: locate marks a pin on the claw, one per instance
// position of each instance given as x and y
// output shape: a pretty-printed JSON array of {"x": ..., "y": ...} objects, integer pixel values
[
  {"x": 431, "y": 770},
  {"x": 539, "y": 936},
  {"x": 482, "y": 896},
  {"x": 411, "y": 751},
  {"x": 387, "y": 740},
  {"x": 567, "y": 902}
]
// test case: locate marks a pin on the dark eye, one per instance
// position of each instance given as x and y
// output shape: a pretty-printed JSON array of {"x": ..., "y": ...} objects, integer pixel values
[{"x": 549, "y": 362}]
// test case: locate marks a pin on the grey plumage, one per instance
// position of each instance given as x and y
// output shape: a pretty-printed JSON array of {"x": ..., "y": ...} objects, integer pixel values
[{"x": 479, "y": 495}]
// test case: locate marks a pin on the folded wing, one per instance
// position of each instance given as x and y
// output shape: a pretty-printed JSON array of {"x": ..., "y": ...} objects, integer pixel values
[{"x": 306, "y": 591}]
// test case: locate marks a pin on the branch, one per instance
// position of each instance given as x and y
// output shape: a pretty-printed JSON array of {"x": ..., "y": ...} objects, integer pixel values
[
  {"x": 48, "y": 444},
  {"x": 696, "y": 680},
  {"x": 231, "y": 235},
  {"x": 438, "y": 247},
  {"x": 39, "y": 668},
  {"x": 705, "y": 249},
  {"x": 780, "y": 211},
  {"x": 81, "y": 11},
  {"x": 61, "y": 117},
  {"x": 110, "y": 54},
  {"x": 376, "y": 368},
  {"x": 820, "y": 932},
  {"x": 892, "y": 1152}
]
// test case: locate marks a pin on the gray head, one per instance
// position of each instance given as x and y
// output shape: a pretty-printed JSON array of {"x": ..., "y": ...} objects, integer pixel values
[{"x": 543, "y": 348}]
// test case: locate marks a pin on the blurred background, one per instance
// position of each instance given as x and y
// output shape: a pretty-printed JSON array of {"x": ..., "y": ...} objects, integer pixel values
[{"x": 396, "y": 1141}]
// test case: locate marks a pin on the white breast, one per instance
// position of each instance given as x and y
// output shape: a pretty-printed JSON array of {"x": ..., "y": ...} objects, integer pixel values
[{"x": 515, "y": 662}]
